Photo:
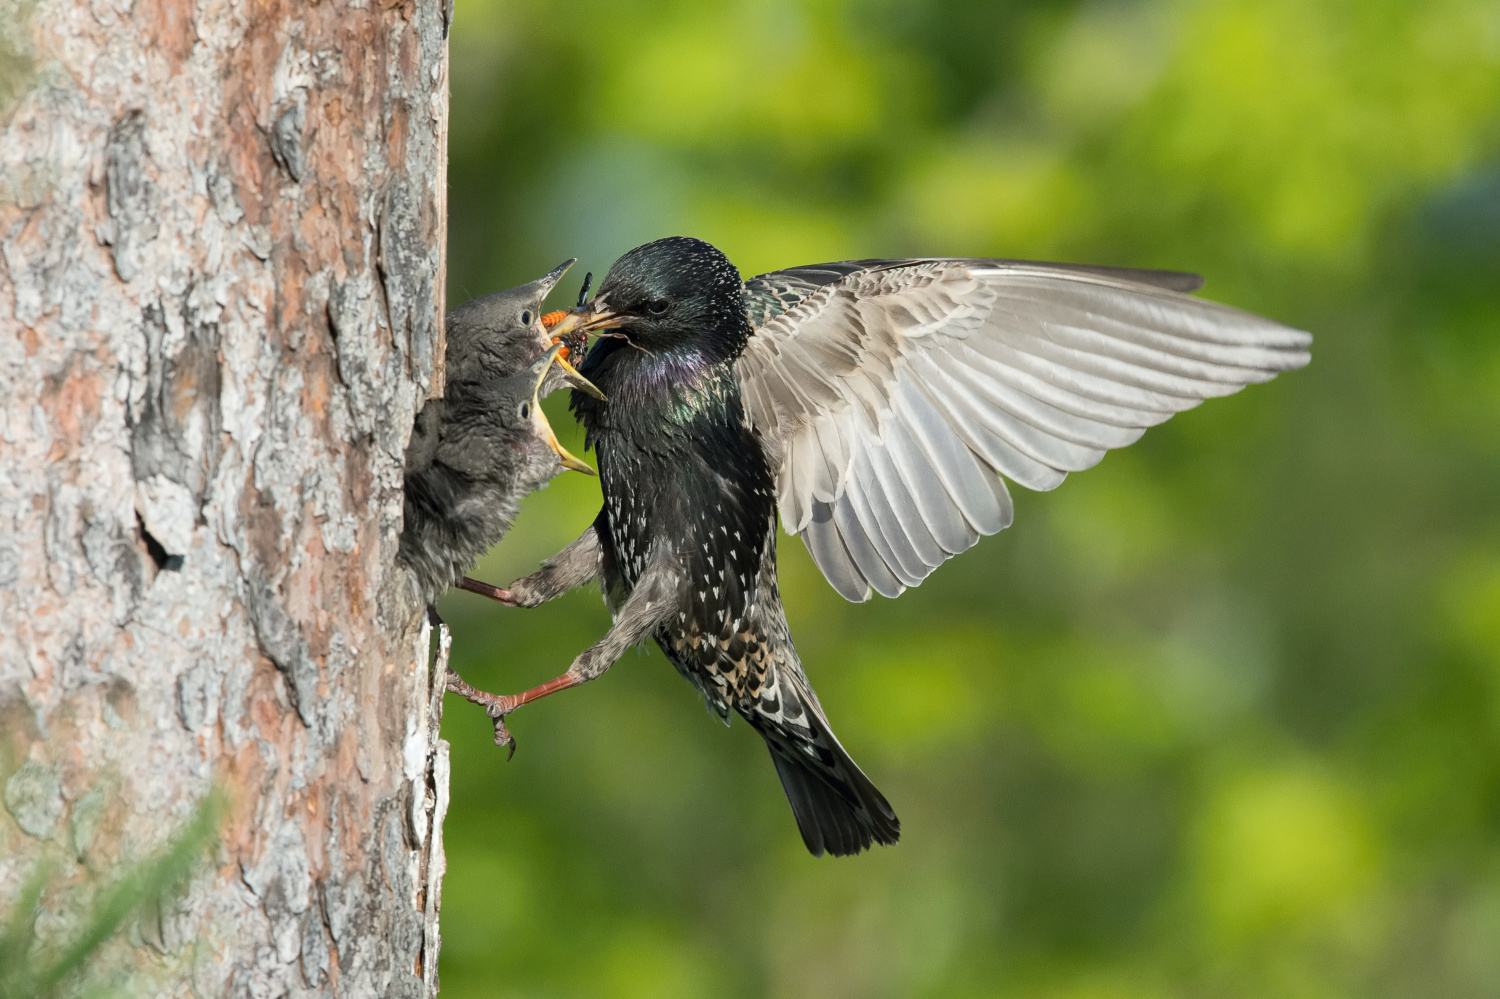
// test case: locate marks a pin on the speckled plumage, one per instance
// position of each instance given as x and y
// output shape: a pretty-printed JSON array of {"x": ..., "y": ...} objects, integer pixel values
[
  {"x": 697, "y": 477},
  {"x": 681, "y": 469}
]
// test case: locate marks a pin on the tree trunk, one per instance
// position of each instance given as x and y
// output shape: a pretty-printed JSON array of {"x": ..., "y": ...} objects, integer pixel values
[{"x": 221, "y": 231}]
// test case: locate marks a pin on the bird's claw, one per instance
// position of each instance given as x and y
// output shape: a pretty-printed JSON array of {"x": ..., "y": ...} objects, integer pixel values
[
  {"x": 503, "y": 737},
  {"x": 497, "y": 710},
  {"x": 497, "y": 707}
]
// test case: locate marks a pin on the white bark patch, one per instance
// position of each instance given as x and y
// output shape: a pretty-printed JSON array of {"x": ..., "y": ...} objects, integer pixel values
[{"x": 168, "y": 512}]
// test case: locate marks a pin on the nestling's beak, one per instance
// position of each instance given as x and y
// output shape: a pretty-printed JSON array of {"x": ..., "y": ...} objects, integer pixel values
[
  {"x": 568, "y": 460},
  {"x": 548, "y": 281},
  {"x": 587, "y": 318},
  {"x": 571, "y": 375}
]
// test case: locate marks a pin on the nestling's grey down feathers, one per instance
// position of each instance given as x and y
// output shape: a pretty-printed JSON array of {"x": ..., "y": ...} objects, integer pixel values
[
  {"x": 474, "y": 454},
  {"x": 891, "y": 395}
]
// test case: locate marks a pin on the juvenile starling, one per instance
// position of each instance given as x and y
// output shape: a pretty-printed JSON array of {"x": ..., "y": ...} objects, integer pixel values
[
  {"x": 876, "y": 403},
  {"x": 476, "y": 452}
]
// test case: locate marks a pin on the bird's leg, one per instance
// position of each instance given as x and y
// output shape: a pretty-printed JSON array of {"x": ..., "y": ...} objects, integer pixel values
[
  {"x": 575, "y": 565},
  {"x": 497, "y": 706},
  {"x": 650, "y": 605},
  {"x": 452, "y": 681},
  {"x": 490, "y": 590}
]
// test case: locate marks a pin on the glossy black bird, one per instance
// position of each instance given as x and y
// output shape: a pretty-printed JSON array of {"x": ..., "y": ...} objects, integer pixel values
[
  {"x": 876, "y": 403},
  {"x": 478, "y": 450}
]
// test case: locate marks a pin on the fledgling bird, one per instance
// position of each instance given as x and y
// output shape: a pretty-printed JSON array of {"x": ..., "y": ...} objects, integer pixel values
[
  {"x": 876, "y": 404},
  {"x": 479, "y": 450}
]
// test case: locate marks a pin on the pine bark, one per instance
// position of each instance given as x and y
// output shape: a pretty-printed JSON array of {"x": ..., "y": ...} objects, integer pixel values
[{"x": 221, "y": 232}]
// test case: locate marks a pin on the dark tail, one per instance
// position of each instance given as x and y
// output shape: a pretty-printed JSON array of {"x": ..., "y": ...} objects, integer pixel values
[{"x": 837, "y": 809}]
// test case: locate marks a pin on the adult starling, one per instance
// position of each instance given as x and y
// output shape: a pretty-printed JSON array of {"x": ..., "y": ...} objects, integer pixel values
[
  {"x": 876, "y": 403},
  {"x": 476, "y": 452}
]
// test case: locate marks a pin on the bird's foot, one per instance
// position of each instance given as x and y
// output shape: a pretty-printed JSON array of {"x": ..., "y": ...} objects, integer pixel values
[
  {"x": 496, "y": 706},
  {"x": 499, "y": 593}
]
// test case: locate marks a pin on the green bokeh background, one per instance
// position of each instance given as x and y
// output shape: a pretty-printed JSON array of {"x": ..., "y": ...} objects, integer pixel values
[{"x": 1217, "y": 718}]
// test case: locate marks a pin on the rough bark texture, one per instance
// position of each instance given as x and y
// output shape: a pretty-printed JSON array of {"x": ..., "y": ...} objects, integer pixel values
[{"x": 220, "y": 232}]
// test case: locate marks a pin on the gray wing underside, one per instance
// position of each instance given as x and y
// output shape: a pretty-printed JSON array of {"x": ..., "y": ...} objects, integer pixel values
[{"x": 892, "y": 396}]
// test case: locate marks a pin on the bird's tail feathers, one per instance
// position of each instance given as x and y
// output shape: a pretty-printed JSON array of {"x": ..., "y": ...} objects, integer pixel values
[{"x": 838, "y": 810}]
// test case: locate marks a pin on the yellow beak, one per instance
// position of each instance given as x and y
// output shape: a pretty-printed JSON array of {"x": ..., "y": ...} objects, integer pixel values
[
  {"x": 587, "y": 318},
  {"x": 574, "y": 378},
  {"x": 568, "y": 460}
]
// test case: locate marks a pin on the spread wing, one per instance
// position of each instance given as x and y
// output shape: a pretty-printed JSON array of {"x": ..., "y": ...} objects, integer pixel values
[{"x": 891, "y": 395}]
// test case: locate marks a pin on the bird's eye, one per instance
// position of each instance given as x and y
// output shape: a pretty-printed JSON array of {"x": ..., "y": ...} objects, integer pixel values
[
  {"x": 526, "y": 317},
  {"x": 524, "y": 411},
  {"x": 657, "y": 307}
]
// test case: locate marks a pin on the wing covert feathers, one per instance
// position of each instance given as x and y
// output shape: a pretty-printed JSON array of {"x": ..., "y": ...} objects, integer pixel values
[{"x": 890, "y": 395}]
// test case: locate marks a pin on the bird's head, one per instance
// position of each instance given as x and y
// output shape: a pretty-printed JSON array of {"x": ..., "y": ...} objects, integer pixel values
[
  {"x": 515, "y": 406},
  {"x": 675, "y": 295},
  {"x": 497, "y": 335}
]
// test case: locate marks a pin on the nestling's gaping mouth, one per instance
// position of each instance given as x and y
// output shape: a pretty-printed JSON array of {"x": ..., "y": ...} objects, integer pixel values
[
  {"x": 570, "y": 374},
  {"x": 553, "y": 356}
]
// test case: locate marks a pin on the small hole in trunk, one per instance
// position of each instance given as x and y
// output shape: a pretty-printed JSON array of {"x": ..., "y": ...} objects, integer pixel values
[{"x": 159, "y": 555}]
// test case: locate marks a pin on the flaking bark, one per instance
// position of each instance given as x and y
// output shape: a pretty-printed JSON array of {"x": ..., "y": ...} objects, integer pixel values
[{"x": 221, "y": 225}]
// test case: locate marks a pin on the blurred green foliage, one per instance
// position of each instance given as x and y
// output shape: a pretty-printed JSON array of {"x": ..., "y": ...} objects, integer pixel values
[
  {"x": 1219, "y": 717},
  {"x": 16, "y": 64}
]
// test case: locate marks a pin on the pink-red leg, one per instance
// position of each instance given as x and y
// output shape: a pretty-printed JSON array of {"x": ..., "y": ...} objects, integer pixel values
[
  {"x": 499, "y": 593},
  {"x": 497, "y": 706},
  {"x": 650, "y": 604}
]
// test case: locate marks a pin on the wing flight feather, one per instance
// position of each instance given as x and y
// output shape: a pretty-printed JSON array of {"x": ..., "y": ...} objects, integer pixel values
[{"x": 891, "y": 396}]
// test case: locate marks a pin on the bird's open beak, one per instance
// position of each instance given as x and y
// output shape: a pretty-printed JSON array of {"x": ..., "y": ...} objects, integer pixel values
[
  {"x": 562, "y": 324},
  {"x": 590, "y": 317},
  {"x": 568, "y": 460},
  {"x": 571, "y": 374}
]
